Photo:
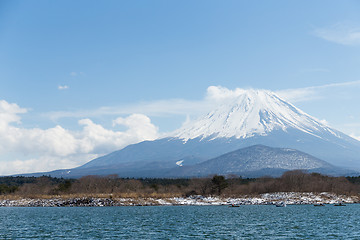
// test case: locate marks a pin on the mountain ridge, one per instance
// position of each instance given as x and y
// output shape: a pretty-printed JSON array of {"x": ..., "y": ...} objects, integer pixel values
[{"x": 254, "y": 117}]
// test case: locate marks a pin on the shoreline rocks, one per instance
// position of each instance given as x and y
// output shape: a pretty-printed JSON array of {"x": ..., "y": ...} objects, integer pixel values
[{"x": 289, "y": 198}]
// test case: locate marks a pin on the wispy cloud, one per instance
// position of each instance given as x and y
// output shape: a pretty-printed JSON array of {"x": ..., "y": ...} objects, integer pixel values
[
  {"x": 159, "y": 108},
  {"x": 154, "y": 108},
  {"x": 169, "y": 107},
  {"x": 311, "y": 93},
  {"x": 63, "y": 87},
  {"x": 342, "y": 33}
]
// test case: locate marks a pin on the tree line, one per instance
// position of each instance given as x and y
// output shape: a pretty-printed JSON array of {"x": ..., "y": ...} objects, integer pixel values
[{"x": 232, "y": 186}]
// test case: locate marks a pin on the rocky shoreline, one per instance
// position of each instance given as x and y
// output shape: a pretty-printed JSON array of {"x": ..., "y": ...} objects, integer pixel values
[{"x": 288, "y": 198}]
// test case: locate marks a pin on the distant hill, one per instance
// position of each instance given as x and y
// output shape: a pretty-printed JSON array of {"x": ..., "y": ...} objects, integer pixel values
[{"x": 258, "y": 160}]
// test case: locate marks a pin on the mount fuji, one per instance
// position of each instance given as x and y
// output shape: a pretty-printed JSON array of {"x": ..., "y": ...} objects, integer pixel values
[
  {"x": 253, "y": 117},
  {"x": 253, "y": 113}
]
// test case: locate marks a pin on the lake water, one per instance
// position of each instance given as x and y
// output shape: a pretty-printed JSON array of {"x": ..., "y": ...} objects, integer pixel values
[{"x": 181, "y": 222}]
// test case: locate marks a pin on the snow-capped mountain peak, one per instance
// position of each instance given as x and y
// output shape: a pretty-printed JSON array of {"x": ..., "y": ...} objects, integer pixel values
[
  {"x": 210, "y": 145},
  {"x": 253, "y": 112}
]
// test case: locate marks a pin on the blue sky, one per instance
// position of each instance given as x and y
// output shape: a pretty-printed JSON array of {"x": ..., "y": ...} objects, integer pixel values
[{"x": 103, "y": 74}]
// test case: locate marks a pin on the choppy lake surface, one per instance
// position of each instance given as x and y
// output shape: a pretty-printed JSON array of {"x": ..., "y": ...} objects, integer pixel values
[{"x": 182, "y": 222}]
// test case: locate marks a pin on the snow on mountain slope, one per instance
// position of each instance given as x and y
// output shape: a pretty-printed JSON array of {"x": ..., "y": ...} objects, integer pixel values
[{"x": 253, "y": 112}]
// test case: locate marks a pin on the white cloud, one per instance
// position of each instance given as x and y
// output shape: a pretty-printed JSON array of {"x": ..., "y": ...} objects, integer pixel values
[
  {"x": 9, "y": 113},
  {"x": 44, "y": 163},
  {"x": 147, "y": 131},
  {"x": 58, "y": 147},
  {"x": 344, "y": 33},
  {"x": 63, "y": 87},
  {"x": 221, "y": 93}
]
